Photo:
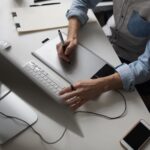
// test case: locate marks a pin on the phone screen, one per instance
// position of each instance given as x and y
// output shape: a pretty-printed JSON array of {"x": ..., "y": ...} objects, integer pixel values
[{"x": 137, "y": 136}]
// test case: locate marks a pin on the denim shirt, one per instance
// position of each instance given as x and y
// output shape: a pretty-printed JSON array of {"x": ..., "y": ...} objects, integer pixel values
[{"x": 131, "y": 36}]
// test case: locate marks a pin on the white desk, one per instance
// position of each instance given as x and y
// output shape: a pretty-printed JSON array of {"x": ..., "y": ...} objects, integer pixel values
[{"x": 99, "y": 133}]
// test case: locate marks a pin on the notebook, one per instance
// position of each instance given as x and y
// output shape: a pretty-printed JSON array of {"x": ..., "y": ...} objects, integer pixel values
[{"x": 30, "y": 19}]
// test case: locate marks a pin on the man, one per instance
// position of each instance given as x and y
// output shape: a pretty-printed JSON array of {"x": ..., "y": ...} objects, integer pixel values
[{"x": 130, "y": 39}]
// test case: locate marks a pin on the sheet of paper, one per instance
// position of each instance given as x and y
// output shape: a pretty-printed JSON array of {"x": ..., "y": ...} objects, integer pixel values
[{"x": 41, "y": 18}]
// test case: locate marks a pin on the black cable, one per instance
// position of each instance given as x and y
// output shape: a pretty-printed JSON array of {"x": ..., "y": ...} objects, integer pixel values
[
  {"x": 105, "y": 116},
  {"x": 41, "y": 137},
  {"x": 86, "y": 112}
]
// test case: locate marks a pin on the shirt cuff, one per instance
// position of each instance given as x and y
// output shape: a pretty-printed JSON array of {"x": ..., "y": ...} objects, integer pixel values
[
  {"x": 83, "y": 18},
  {"x": 127, "y": 77}
]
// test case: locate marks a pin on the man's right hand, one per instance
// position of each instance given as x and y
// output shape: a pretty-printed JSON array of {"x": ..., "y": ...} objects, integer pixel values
[
  {"x": 65, "y": 52},
  {"x": 70, "y": 45}
]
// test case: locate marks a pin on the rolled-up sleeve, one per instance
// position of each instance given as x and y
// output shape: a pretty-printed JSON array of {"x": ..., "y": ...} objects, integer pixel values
[
  {"x": 137, "y": 71},
  {"x": 79, "y": 9}
]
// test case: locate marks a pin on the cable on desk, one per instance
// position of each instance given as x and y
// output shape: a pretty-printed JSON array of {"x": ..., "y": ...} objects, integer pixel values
[
  {"x": 41, "y": 137},
  {"x": 62, "y": 135},
  {"x": 105, "y": 116}
]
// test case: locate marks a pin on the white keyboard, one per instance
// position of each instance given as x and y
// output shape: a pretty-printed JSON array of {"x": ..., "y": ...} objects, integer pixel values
[{"x": 43, "y": 79}]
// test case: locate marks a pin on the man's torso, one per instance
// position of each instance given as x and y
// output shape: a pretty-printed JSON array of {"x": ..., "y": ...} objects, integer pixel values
[{"x": 132, "y": 31}]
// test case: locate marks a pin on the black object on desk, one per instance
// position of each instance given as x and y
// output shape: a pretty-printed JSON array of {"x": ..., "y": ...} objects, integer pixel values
[
  {"x": 105, "y": 71},
  {"x": 44, "y": 4},
  {"x": 36, "y": 1}
]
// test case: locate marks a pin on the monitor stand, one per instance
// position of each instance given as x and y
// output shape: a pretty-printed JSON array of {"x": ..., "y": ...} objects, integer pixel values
[{"x": 13, "y": 105}]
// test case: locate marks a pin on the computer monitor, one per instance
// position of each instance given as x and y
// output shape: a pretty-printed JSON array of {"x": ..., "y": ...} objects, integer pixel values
[
  {"x": 13, "y": 105},
  {"x": 13, "y": 75}
]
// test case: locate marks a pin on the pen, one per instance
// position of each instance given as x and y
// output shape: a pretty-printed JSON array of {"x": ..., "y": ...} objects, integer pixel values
[
  {"x": 61, "y": 38},
  {"x": 45, "y": 4},
  {"x": 64, "y": 47}
]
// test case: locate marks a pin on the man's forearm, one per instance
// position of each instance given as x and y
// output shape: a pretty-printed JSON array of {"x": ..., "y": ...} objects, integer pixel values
[
  {"x": 74, "y": 26},
  {"x": 111, "y": 82}
]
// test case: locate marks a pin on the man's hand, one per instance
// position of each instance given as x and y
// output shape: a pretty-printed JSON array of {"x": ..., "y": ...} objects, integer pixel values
[
  {"x": 65, "y": 51},
  {"x": 89, "y": 89},
  {"x": 83, "y": 91}
]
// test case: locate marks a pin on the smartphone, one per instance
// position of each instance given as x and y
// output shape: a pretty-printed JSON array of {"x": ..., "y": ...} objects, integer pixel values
[{"x": 137, "y": 136}]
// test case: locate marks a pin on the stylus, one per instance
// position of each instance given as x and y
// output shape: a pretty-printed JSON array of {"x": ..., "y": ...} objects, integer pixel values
[
  {"x": 61, "y": 38},
  {"x": 62, "y": 42}
]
